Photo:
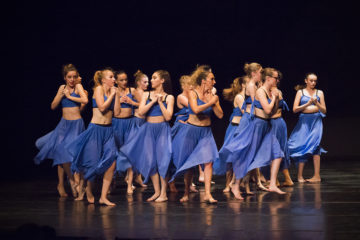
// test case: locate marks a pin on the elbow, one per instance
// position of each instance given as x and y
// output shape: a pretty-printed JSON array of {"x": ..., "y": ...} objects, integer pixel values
[
  {"x": 53, "y": 107},
  {"x": 85, "y": 101},
  {"x": 167, "y": 118},
  {"x": 221, "y": 115}
]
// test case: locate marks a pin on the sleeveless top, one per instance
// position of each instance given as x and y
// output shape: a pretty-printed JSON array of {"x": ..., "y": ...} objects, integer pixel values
[
  {"x": 105, "y": 98},
  {"x": 155, "y": 110},
  {"x": 127, "y": 105},
  {"x": 304, "y": 99},
  {"x": 236, "y": 112},
  {"x": 257, "y": 104},
  {"x": 283, "y": 105},
  {"x": 65, "y": 102},
  {"x": 207, "y": 111}
]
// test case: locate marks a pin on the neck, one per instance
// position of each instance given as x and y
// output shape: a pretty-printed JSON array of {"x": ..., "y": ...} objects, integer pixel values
[
  {"x": 106, "y": 88},
  {"x": 266, "y": 86},
  {"x": 202, "y": 89},
  {"x": 158, "y": 90},
  {"x": 309, "y": 89}
]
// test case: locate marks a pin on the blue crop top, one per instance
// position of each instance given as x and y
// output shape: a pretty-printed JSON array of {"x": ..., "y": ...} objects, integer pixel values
[
  {"x": 207, "y": 111},
  {"x": 183, "y": 111},
  {"x": 155, "y": 110},
  {"x": 247, "y": 100},
  {"x": 283, "y": 105},
  {"x": 304, "y": 99},
  {"x": 105, "y": 98},
  {"x": 127, "y": 105},
  {"x": 65, "y": 102},
  {"x": 257, "y": 104}
]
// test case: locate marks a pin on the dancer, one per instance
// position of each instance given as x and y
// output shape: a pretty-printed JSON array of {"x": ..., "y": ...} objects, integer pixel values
[
  {"x": 234, "y": 94},
  {"x": 52, "y": 145},
  {"x": 278, "y": 126},
  {"x": 122, "y": 123},
  {"x": 253, "y": 73},
  {"x": 150, "y": 150},
  {"x": 94, "y": 150},
  {"x": 305, "y": 139},
  {"x": 195, "y": 144}
]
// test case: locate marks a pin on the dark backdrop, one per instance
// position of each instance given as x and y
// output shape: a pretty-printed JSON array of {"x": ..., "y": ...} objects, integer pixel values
[{"x": 295, "y": 37}]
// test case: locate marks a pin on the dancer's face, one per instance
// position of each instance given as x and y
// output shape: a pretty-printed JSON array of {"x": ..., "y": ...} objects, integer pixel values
[
  {"x": 108, "y": 78},
  {"x": 156, "y": 81},
  {"x": 71, "y": 78},
  {"x": 257, "y": 75},
  {"x": 311, "y": 81},
  {"x": 210, "y": 81},
  {"x": 144, "y": 83},
  {"x": 122, "y": 80},
  {"x": 274, "y": 79}
]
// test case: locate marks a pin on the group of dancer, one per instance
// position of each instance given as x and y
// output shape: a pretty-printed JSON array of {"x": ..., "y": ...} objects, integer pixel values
[{"x": 130, "y": 132}]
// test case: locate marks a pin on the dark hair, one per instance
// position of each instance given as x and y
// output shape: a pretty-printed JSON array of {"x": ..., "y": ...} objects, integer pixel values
[
  {"x": 118, "y": 73},
  {"x": 302, "y": 86},
  {"x": 235, "y": 88},
  {"x": 68, "y": 68},
  {"x": 167, "y": 80}
]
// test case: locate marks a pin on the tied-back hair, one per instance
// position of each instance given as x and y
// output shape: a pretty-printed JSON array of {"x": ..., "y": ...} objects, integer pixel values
[
  {"x": 167, "y": 80},
  {"x": 99, "y": 75},
  {"x": 269, "y": 72},
  {"x": 303, "y": 86},
  {"x": 184, "y": 81},
  {"x": 199, "y": 74},
  {"x": 251, "y": 67},
  {"x": 138, "y": 76},
  {"x": 235, "y": 88},
  {"x": 117, "y": 73},
  {"x": 68, "y": 68}
]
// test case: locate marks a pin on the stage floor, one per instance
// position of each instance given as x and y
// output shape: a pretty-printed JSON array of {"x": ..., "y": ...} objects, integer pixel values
[{"x": 327, "y": 210}]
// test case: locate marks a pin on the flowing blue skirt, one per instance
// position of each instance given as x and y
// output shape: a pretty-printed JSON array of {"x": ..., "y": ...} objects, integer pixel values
[
  {"x": 279, "y": 129},
  {"x": 149, "y": 151},
  {"x": 254, "y": 146},
  {"x": 94, "y": 151},
  {"x": 122, "y": 129},
  {"x": 52, "y": 145},
  {"x": 193, "y": 146},
  {"x": 305, "y": 139},
  {"x": 221, "y": 165}
]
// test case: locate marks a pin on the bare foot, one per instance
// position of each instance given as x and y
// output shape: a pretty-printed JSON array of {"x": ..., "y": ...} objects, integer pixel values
[
  {"x": 276, "y": 190},
  {"x": 161, "y": 199},
  {"x": 130, "y": 190},
  {"x": 74, "y": 189},
  {"x": 61, "y": 191},
  {"x": 210, "y": 200},
  {"x": 89, "y": 196},
  {"x": 105, "y": 201},
  {"x": 153, "y": 197},
  {"x": 80, "y": 195},
  {"x": 261, "y": 187},
  {"x": 193, "y": 189},
  {"x": 227, "y": 189},
  {"x": 185, "y": 198},
  {"x": 313, "y": 180},
  {"x": 237, "y": 194},
  {"x": 301, "y": 180},
  {"x": 287, "y": 184},
  {"x": 139, "y": 181}
]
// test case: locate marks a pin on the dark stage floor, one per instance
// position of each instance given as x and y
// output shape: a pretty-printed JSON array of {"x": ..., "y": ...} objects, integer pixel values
[{"x": 330, "y": 210}]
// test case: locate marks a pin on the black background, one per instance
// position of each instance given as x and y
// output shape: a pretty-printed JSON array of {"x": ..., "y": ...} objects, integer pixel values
[{"x": 295, "y": 37}]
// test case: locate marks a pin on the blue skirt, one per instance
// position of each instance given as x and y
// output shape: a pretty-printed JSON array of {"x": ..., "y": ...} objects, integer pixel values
[
  {"x": 94, "y": 151},
  {"x": 305, "y": 139},
  {"x": 279, "y": 129},
  {"x": 221, "y": 164},
  {"x": 254, "y": 146},
  {"x": 149, "y": 151},
  {"x": 52, "y": 145},
  {"x": 193, "y": 146}
]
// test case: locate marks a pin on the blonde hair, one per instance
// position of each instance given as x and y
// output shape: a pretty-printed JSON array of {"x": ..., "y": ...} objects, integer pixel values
[
  {"x": 199, "y": 74},
  {"x": 251, "y": 67},
  {"x": 99, "y": 75},
  {"x": 138, "y": 76},
  {"x": 185, "y": 80},
  {"x": 235, "y": 87}
]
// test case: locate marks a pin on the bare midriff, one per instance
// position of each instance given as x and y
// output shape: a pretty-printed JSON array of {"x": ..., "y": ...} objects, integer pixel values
[
  {"x": 71, "y": 113},
  {"x": 101, "y": 118},
  {"x": 311, "y": 109},
  {"x": 125, "y": 113},
  {"x": 155, "y": 119},
  {"x": 201, "y": 120}
]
